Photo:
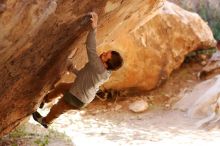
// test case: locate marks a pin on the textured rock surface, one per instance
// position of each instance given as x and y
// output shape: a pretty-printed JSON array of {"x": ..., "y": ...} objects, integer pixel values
[
  {"x": 202, "y": 102},
  {"x": 35, "y": 41},
  {"x": 37, "y": 36},
  {"x": 208, "y": 9},
  {"x": 153, "y": 40}
]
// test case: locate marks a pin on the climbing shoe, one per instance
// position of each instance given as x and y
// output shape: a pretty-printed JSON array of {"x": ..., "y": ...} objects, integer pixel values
[{"x": 37, "y": 117}]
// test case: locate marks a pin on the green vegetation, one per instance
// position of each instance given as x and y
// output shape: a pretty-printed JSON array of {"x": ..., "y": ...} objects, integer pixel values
[
  {"x": 42, "y": 141},
  {"x": 216, "y": 29},
  {"x": 210, "y": 15},
  {"x": 27, "y": 134},
  {"x": 18, "y": 132}
]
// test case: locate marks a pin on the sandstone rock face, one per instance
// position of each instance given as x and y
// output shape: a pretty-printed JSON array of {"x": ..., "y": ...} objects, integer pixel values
[
  {"x": 153, "y": 38},
  {"x": 35, "y": 40},
  {"x": 36, "y": 37},
  {"x": 207, "y": 9}
]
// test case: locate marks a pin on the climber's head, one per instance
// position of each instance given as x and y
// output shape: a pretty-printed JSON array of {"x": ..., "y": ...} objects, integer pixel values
[{"x": 112, "y": 60}]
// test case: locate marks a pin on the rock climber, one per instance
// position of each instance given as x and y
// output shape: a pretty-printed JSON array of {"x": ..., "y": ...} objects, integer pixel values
[{"x": 82, "y": 91}]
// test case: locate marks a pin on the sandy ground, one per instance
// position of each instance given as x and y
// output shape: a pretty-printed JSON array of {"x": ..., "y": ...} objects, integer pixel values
[
  {"x": 118, "y": 127},
  {"x": 111, "y": 123}
]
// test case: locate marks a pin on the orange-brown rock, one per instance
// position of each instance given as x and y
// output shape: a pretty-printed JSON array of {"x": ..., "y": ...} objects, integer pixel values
[
  {"x": 36, "y": 36},
  {"x": 153, "y": 40},
  {"x": 35, "y": 40}
]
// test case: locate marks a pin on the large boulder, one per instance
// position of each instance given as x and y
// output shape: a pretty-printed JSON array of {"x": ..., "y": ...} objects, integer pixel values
[
  {"x": 153, "y": 40},
  {"x": 35, "y": 37}
]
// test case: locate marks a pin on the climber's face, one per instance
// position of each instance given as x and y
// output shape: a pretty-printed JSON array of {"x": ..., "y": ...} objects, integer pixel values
[{"x": 105, "y": 56}]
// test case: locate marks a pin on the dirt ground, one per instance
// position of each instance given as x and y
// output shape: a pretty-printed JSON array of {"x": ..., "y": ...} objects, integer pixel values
[{"x": 111, "y": 123}]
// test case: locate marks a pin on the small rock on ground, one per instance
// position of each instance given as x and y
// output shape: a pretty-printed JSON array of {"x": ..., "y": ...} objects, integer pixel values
[{"x": 138, "y": 106}]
